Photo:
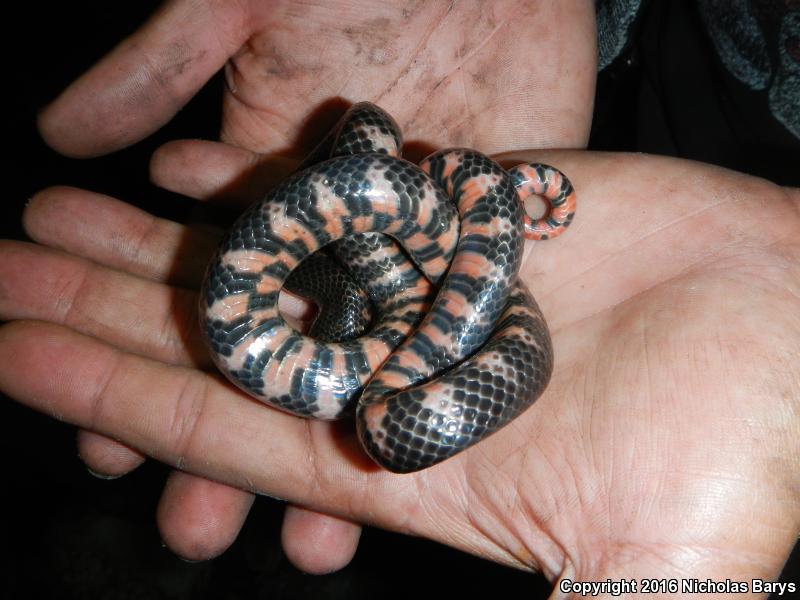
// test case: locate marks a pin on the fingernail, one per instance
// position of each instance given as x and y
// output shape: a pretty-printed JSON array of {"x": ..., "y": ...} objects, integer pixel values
[{"x": 104, "y": 476}]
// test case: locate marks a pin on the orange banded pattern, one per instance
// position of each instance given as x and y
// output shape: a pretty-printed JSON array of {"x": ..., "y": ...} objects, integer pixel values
[
  {"x": 455, "y": 346},
  {"x": 551, "y": 185}
]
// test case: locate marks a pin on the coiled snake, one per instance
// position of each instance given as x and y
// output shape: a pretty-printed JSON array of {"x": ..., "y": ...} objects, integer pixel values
[{"x": 433, "y": 344}]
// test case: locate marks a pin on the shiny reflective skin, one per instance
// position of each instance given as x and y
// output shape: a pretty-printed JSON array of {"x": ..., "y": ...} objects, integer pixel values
[{"x": 455, "y": 346}]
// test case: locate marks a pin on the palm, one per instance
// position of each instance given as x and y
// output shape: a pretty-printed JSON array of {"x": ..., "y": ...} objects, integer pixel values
[
  {"x": 667, "y": 330},
  {"x": 498, "y": 76},
  {"x": 450, "y": 74},
  {"x": 665, "y": 342}
]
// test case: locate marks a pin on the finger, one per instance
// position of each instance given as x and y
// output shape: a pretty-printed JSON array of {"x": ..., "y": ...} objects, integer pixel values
[
  {"x": 212, "y": 170},
  {"x": 141, "y": 316},
  {"x": 118, "y": 235},
  {"x": 198, "y": 518},
  {"x": 146, "y": 79},
  {"x": 196, "y": 423},
  {"x": 106, "y": 458},
  {"x": 318, "y": 543}
]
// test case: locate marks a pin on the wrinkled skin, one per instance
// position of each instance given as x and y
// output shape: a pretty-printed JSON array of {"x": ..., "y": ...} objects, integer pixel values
[{"x": 667, "y": 444}]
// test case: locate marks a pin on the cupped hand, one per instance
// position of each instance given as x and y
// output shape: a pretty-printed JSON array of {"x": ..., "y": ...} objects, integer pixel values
[
  {"x": 494, "y": 76},
  {"x": 666, "y": 445}
]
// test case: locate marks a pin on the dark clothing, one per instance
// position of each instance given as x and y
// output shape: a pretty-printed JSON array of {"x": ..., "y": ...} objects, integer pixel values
[{"x": 713, "y": 80}]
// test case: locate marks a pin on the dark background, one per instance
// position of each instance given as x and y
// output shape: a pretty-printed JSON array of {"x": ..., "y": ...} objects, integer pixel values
[{"x": 67, "y": 534}]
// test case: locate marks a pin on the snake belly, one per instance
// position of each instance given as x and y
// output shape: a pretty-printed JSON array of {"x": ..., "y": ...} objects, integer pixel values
[{"x": 455, "y": 347}]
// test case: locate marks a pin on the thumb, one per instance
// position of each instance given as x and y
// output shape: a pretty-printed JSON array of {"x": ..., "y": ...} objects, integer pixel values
[{"x": 146, "y": 79}]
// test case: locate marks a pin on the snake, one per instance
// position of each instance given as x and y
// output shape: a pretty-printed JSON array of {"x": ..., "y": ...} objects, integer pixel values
[{"x": 425, "y": 334}]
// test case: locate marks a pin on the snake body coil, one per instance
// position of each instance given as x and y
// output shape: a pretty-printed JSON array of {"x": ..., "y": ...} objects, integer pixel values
[{"x": 435, "y": 344}]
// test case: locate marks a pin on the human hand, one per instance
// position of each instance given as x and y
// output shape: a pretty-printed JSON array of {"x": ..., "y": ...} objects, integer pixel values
[
  {"x": 666, "y": 444},
  {"x": 511, "y": 76},
  {"x": 498, "y": 76}
]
